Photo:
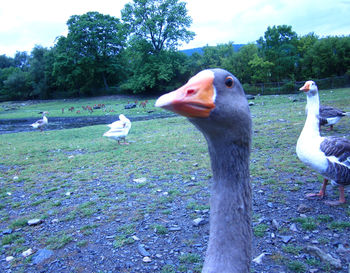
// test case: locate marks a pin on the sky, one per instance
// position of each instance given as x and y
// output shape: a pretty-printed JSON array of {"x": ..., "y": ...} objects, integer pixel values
[{"x": 24, "y": 24}]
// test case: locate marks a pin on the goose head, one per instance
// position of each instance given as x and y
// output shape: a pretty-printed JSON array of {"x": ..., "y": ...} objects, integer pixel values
[
  {"x": 214, "y": 101},
  {"x": 310, "y": 88}
]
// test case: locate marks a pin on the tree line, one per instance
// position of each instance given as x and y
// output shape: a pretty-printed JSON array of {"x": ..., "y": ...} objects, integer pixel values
[{"x": 138, "y": 53}]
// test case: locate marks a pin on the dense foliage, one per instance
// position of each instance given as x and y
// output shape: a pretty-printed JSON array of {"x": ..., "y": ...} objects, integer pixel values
[{"x": 138, "y": 53}]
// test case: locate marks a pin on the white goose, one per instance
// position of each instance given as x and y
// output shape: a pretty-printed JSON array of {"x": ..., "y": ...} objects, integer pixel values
[
  {"x": 330, "y": 156},
  {"x": 39, "y": 124},
  {"x": 119, "y": 129}
]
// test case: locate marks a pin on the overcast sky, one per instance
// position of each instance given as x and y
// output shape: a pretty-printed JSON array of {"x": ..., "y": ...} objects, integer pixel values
[{"x": 24, "y": 24}]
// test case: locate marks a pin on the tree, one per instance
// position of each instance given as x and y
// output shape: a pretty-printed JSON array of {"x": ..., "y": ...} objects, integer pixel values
[
  {"x": 151, "y": 73},
  {"x": 17, "y": 85},
  {"x": 329, "y": 57},
  {"x": 88, "y": 56},
  {"x": 163, "y": 23},
  {"x": 5, "y": 61},
  {"x": 21, "y": 60},
  {"x": 304, "y": 45},
  {"x": 238, "y": 63},
  {"x": 279, "y": 46},
  {"x": 40, "y": 67},
  {"x": 261, "y": 68}
]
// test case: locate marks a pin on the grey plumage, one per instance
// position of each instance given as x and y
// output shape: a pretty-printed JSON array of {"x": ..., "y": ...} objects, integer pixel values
[{"x": 223, "y": 117}]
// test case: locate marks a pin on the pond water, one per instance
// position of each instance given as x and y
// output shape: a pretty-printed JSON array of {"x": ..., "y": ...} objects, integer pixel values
[{"x": 8, "y": 126}]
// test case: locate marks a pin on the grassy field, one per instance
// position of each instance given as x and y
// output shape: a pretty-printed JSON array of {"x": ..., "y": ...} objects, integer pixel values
[
  {"x": 76, "y": 176},
  {"x": 77, "y": 107}
]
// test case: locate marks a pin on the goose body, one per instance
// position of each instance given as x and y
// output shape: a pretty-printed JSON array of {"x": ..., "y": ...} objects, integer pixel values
[
  {"x": 331, "y": 115},
  {"x": 214, "y": 101},
  {"x": 119, "y": 129},
  {"x": 329, "y": 156},
  {"x": 41, "y": 123}
]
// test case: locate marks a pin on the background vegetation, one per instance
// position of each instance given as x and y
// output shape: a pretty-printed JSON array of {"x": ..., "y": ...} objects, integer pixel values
[{"x": 138, "y": 53}]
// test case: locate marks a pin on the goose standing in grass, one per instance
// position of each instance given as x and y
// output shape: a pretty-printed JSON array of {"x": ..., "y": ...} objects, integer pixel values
[
  {"x": 214, "y": 101},
  {"x": 41, "y": 123},
  {"x": 330, "y": 156},
  {"x": 119, "y": 129},
  {"x": 331, "y": 115}
]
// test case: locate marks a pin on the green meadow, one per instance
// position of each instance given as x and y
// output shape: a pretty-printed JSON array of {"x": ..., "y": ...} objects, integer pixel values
[{"x": 81, "y": 184}]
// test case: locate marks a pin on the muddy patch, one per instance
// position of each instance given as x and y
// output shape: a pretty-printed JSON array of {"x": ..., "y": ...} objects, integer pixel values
[{"x": 8, "y": 126}]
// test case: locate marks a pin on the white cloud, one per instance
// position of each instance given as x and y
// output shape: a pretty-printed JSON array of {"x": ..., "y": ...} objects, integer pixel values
[{"x": 26, "y": 23}]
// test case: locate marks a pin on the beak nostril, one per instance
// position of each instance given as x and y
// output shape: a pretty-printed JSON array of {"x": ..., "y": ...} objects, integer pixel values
[{"x": 190, "y": 91}]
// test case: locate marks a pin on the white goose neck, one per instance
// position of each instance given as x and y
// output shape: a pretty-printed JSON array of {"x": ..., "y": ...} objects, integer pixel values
[{"x": 313, "y": 110}]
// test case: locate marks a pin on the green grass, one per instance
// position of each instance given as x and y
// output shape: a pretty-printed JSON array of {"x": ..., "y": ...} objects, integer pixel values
[
  {"x": 307, "y": 223},
  {"x": 58, "y": 241},
  {"x": 259, "y": 230},
  {"x": 160, "y": 229},
  {"x": 39, "y": 169},
  {"x": 113, "y": 106}
]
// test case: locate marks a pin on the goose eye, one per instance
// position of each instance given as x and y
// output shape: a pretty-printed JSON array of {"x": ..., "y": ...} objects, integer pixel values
[{"x": 229, "y": 81}]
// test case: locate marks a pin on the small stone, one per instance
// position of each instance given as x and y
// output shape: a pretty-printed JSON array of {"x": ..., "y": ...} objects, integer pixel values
[
  {"x": 286, "y": 239},
  {"x": 9, "y": 258},
  {"x": 140, "y": 180},
  {"x": 7, "y": 231},
  {"x": 293, "y": 227},
  {"x": 302, "y": 208},
  {"x": 275, "y": 224},
  {"x": 143, "y": 251},
  {"x": 54, "y": 221},
  {"x": 34, "y": 222},
  {"x": 135, "y": 238},
  {"x": 175, "y": 228},
  {"x": 27, "y": 253},
  {"x": 15, "y": 177},
  {"x": 341, "y": 249},
  {"x": 324, "y": 256},
  {"x": 306, "y": 238},
  {"x": 42, "y": 255},
  {"x": 270, "y": 205},
  {"x": 146, "y": 259},
  {"x": 198, "y": 221},
  {"x": 68, "y": 193},
  {"x": 9, "y": 193},
  {"x": 258, "y": 259}
]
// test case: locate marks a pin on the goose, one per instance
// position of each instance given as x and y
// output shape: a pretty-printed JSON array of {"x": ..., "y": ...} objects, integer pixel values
[
  {"x": 41, "y": 123},
  {"x": 329, "y": 156},
  {"x": 214, "y": 101},
  {"x": 119, "y": 129},
  {"x": 331, "y": 115}
]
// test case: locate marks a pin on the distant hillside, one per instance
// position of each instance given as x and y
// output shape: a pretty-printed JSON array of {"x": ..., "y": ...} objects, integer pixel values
[{"x": 199, "y": 50}]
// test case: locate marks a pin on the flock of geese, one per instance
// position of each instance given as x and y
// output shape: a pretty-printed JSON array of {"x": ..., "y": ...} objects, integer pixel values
[{"x": 214, "y": 101}]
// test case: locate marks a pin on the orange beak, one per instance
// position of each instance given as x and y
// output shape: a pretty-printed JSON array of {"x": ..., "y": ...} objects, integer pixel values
[
  {"x": 194, "y": 99},
  {"x": 305, "y": 87}
]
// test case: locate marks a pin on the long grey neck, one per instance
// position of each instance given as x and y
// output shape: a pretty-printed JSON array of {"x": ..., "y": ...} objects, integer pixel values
[{"x": 229, "y": 248}]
